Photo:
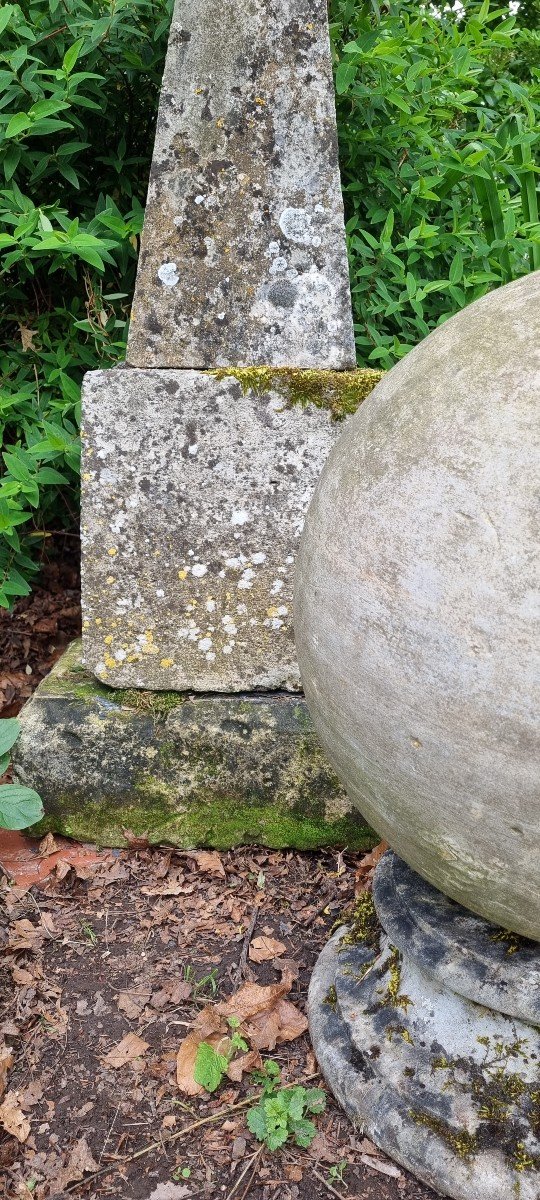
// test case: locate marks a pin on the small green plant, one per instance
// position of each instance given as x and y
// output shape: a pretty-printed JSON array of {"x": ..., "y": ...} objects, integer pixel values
[
  {"x": 181, "y": 1173},
  {"x": 19, "y": 806},
  {"x": 336, "y": 1173},
  {"x": 280, "y": 1114},
  {"x": 211, "y": 1064}
]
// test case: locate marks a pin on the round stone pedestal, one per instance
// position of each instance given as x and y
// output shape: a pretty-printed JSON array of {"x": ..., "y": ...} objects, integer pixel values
[{"x": 425, "y": 1022}]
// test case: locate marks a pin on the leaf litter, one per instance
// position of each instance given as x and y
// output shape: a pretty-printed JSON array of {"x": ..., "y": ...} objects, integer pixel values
[{"x": 116, "y": 976}]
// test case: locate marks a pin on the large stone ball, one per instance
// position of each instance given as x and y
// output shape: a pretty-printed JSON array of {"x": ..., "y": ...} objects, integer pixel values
[{"x": 417, "y": 607}]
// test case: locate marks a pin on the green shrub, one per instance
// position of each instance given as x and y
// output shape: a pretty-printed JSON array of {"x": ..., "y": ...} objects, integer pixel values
[
  {"x": 439, "y": 130},
  {"x": 79, "y": 83},
  {"x": 439, "y": 123}
]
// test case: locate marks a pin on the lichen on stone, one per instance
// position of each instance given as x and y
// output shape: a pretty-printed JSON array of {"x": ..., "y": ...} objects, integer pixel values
[{"x": 340, "y": 392}]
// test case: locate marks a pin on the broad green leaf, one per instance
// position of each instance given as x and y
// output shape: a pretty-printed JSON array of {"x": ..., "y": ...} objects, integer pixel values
[
  {"x": 19, "y": 806},
  {"x": 10, "y": 729},
  {"x": 71, "y": 55},
  {"x": 19, "y": 122},
  {"x": 210, "y": 1067}
]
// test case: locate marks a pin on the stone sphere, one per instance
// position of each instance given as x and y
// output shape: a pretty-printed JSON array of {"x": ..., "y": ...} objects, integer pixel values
[{"x": 417, "y": 606}]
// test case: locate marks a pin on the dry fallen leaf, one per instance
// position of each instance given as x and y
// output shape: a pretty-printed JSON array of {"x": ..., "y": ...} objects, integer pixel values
[
  {"x": 12, "y": 1118},
  {"x": 132, "y": 1003},
  {"x": 6, "y": 1062},
  {"x": 209, "y": 861},
  {"x": 266, "y": 1019},
  {"x": 366, "y": 868},
  {"x": 263, "y": 949},
  {"x": 80, "y": 1161},
  {"x": 170, "y": 1191},
  {"x": 131, "y": 1047},
  {"x": 48, "y": 845},
  {"x": 378, "y": 1164}
]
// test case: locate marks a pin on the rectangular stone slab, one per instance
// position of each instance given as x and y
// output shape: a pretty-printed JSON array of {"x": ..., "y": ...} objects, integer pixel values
[
  {"x": 194, "y": 497},
  {"x": 188, "y": 770},
  {"x": 243, "y": 257}
]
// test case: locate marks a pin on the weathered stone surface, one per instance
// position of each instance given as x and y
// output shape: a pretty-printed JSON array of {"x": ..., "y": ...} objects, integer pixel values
[
  {"x": 443, "y": 1084},
  {"x": 417, "y": 607},
  {"x": 243, "y": 256},
  {"x": 194, "y": 495},
  {"x": 189, "y": 770}
]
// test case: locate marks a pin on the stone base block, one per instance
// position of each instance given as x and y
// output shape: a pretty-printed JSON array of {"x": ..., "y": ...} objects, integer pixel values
[
  {"x": 189, "y": 770},
  {"x": 402, "y": 1030}
]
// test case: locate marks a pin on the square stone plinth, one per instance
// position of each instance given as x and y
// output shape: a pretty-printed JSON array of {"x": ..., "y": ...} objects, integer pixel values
[
  {"x": 186, "y": 770},
  {"x": 194, "y": 497}
]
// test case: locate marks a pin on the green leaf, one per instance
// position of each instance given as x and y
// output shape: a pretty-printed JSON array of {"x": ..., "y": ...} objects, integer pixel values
[
  {"x": 71, "y": 56},
  {"x": 6, "y": 14},
  {"x": 304, "y": 1132},
  {"x": 256, "y": 1121},
  {"x": 10, "y": 729},
  {"x": 19, "y": 806},
  {"x": 5, "y": 760},
  {"x": 19, "y": 122},
  {"x": 210, "y": 1067},
  {"x": 344, "y": 76}
]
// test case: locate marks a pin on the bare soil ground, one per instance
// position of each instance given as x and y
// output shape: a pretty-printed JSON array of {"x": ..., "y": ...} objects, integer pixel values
[{"x": 127, "y": 950}]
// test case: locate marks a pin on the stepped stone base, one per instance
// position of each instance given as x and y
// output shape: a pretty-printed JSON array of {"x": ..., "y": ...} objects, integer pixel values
[
  {"x": 425, "y": 1022},
  {"x": 188, "y": 770}
]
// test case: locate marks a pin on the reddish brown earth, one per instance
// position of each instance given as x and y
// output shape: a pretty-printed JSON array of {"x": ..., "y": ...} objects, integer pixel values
[{"x": 137, "y": 943}]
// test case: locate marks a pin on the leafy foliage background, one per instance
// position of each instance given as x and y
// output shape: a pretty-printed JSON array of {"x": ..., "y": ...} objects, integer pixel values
[{"x": 439, "y": 120}]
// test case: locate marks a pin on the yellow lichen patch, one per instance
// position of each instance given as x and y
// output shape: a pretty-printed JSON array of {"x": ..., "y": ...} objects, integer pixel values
[
  {"x": 111, "y": 579},
  {"x": 112, "y": 551},
  {"x": 182, "y": 574},
  {"x": 110, "y": 661},
  {"x": 108, "y": 639},
  {"x": 272, "y": 611},
  {"x": 167, "y": 662}
]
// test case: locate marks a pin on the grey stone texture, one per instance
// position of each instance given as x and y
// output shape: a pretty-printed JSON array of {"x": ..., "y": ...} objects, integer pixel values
[
  {"x": 187, "y": 770},
  {"x": 416, "y": 607},
  {"x": 443, "y": 1084},
  {"x": 243, "y": 256},
  {"x": 194, "y": 495}
]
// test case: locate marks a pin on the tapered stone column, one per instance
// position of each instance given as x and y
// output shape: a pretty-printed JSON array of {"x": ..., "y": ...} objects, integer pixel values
[{"x": 200, "y": 456}]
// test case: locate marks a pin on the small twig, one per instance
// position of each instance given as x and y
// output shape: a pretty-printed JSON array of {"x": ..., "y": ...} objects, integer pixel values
[
  {"x": 327, "y": 1185},
  {"x": 173, "y": 1137},
  {"x": 242, "y": 961},
  {"x": 252, "y": 1161}
]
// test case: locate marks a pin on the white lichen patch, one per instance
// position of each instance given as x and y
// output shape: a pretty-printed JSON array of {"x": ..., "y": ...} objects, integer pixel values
[{"x": 168, "y": 274}]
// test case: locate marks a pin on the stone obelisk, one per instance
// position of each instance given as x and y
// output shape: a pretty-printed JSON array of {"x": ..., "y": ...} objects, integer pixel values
[{"x": 198, "y": 467}]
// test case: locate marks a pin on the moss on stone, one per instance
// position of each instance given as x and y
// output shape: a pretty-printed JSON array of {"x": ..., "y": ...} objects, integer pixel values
[
  {"x": 463, "y": 1143},
  {"x": 220, "y": 823},
  {"x": 341, "y": 392},
  {"x": 362, "y": 923}
]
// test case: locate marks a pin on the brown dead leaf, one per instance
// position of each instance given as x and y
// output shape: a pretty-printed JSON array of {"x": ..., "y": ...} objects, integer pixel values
[
  {"x": 6, "y": 1063},
  {"x": 263, "y": 949},
  {"x": 266, "y": 1019},
  {"x": 130, "y": 1048},
  {"x": 62, "y": 869},
  {"x": 12, "y": 1118},
  {"x": 48, "y": 845},
  {"x": 382, "y": 1166},
  {"x": 80, "y": 1161},
  {"x": 208, "y": 1027},
  {"x": 209, "y": 861},
  {"x": 136, "y": 841},
  {"x": 366, "y": 868},
  {"x": 132, "y": 1003},
  {"x": 27, "y": 337},
  {"x": 251, "y": 1061}
]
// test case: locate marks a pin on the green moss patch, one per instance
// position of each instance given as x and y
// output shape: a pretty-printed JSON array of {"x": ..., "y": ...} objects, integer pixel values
[{"x": 341, "y": 392}]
